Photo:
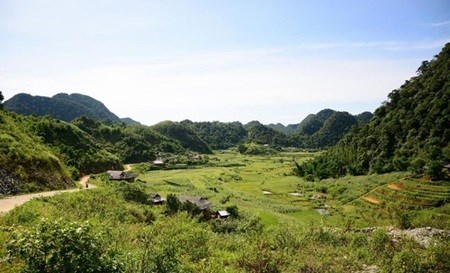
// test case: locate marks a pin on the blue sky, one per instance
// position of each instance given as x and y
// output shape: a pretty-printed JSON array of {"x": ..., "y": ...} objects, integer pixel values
[{"x": 273, "y": 61}]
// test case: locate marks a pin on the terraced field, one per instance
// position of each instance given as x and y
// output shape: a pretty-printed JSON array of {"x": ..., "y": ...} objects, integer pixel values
[
  {"x": 266, "y": 186},
  {"x": 411, "y": 193}
]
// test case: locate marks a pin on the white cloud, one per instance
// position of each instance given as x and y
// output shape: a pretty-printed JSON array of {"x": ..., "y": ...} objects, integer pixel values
[{"x": 440, "y": 24}]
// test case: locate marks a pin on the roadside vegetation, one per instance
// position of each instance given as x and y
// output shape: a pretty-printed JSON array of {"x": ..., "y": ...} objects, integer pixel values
[{"x": 280, "y": 222}]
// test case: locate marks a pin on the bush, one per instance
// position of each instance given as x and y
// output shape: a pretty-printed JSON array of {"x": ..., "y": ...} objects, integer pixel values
[
  {"x": 406, "y": 261},
  {"x": 134, "y": 193},
  {"x": 404, "y": 220},
  {"x": 56, "y": 246}
]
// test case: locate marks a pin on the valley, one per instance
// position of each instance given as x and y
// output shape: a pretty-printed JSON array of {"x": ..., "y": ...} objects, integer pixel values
[{"x": 281, "y": 216}]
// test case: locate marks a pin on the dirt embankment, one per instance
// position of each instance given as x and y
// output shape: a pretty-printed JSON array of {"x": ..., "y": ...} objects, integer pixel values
[{"x": 371, "y": 199}]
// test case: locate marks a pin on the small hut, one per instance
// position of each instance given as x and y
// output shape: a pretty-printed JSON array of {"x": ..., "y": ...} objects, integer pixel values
[{"x": 121, "y": 175}]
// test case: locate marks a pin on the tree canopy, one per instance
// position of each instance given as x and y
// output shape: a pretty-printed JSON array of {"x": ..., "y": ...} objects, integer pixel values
[{"x": 410, "y": 131}]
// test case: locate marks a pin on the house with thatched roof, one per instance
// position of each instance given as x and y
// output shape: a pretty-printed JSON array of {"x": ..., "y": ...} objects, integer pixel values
[
  {"x": 120, "y": 175},
  {"x": 200, "y": 202}
]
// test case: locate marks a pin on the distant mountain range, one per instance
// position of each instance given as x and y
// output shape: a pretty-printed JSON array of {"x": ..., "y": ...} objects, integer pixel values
[
  {"x": 62, "y": 106},
  {"x": 322, "y": 129},
  {"x": 314, "y": 122}
]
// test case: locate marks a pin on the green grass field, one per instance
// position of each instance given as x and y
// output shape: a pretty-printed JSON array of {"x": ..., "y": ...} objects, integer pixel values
[
  {"x": 300, "y": 226},
  {"x": 267, "y": 187}
]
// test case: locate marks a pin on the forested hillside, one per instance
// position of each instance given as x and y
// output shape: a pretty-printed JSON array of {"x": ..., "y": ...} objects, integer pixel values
[
  {"x": 61, "y": 106},
  {"x": 218, "y": 135},
  {"x": 262, "y": 134},
  {"x": 78, "y": 149},
  {"x": 26, "y": 163},
  {"x": 313, "y": 132},
  {"x": 410, "y": 131},
  {"x": 131, "y": 143},
  {"x": 332, "y": 130},
  {"x": 183, "y": 134}
]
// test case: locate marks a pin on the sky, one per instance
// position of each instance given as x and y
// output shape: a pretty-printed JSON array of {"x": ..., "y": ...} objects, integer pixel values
[{"x": 238, "y": 60}]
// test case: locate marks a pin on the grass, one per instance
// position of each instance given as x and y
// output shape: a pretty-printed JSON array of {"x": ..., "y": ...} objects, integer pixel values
[
  {"x": 235, "y": 179},
  {"x": 295, "y": 237}
]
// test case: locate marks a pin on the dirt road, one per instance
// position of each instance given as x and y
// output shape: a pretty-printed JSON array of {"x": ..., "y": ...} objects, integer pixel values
[{"x": 9, "y": 203}]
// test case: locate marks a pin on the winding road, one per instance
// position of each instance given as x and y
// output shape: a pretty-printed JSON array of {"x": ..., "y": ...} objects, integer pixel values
[{"x": 9, "y": 203}]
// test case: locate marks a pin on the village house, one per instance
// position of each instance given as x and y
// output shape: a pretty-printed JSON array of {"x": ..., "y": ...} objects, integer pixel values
[
  {"x": 159, "y": 162},
  {"x": 200, "y": 202},
  {"x": 222, "y": 214},
  {"x": 121, "y": 175},
  {"x": 157, "y": 199}
]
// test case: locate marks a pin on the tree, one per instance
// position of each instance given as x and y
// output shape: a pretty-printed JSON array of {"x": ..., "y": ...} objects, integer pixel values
[
  {"x": 173, "y": 204},
  {"x": 1, "y": 97}
]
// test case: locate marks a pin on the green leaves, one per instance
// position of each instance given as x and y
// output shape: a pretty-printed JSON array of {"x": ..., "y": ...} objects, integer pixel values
[
  {"x": 410, "y": 131},
  {"x": 58, "y": 246}
]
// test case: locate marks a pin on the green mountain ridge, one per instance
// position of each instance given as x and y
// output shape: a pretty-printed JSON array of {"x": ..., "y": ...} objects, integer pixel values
[
  {"x": 410, "y": 131},
  {"x": 314, "y": 122},
  {"x": 66, "y": 107}
]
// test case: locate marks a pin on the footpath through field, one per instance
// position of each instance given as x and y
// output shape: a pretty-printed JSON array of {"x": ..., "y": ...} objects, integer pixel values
[{"x": 9, "y": 203}]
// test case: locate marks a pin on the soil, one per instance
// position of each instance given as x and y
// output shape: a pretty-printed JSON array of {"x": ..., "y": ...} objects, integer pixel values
[
  {"x": 11, "y": 202},
  {"x": 371, "y": 199},
  {"x": 394, "y": 187}
]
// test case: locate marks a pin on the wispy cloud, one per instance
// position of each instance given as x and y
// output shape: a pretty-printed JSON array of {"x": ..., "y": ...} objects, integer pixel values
[
  {"x": 383, "y": 45},
  {"x": 440, "y": 24},
  {"x": 241, "y": 85}
]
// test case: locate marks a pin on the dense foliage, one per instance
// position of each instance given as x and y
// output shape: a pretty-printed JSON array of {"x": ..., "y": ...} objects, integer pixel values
[
  {"x": 25, "y": 157},
  {"x": 410, "y": 131},
  {"x": 186, "y": 136},
  {"x": 195, "y": 136},
  {"x": 131, "y": 143},
  {"x": 262, "y": 134},
  {"x": 77, "y": 148},
  {"x": 332, "y": 130},
  {"x": 58, "y": 246},
  {"x": 218, "y": 135},
  {"x": 61, "y": 106}
]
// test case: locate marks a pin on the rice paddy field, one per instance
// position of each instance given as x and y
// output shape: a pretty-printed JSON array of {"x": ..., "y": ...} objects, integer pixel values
[
  {"x": 266, "y": 187},
  {"x": 285, "y": 224}
]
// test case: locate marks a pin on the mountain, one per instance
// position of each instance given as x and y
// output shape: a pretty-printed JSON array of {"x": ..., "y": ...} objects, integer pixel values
[
  {"x": 129, "y": 121},
  {"x": 332, "y": 130},
  {"x": 186, "y": 136},
  {"x": 218, "y": 135},
  {"x": 323, "y": 129},
  {"x": 364, "y": 117},
  {"x": 410, "y": 131},
  {"x": 288, "y": 130},
  {"x": 313, "y": 122},
  {"x": 262, "y": 134},
  {"x": 61, "y": 106},
  {"x": 251, "y": 124}
]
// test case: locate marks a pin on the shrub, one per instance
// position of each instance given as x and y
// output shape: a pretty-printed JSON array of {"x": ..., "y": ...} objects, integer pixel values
[
  {"x": 57, "y": 246},
  {"x": 134, "y": 193},
  {"x": 406, "y": 261}
]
